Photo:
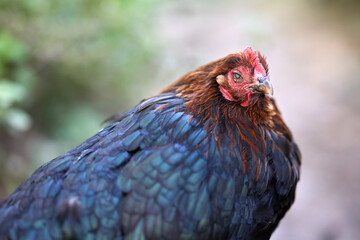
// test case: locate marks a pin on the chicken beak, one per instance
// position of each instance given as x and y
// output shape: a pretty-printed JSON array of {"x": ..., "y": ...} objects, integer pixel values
[{"x": 262, "y": 85}]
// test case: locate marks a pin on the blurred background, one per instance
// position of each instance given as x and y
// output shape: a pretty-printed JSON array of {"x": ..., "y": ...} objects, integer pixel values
[{"x": 65, "y": 66}]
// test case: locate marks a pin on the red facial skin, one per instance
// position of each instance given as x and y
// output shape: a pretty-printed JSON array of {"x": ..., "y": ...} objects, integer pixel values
[{"x": 249, "y": 76}]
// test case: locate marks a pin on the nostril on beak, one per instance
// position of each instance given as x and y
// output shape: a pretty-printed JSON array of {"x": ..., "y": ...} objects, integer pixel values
[{"x": 261, "y": 79}]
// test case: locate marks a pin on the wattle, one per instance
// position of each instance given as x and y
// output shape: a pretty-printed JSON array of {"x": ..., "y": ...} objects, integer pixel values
[{"x": 226, "y": 94}]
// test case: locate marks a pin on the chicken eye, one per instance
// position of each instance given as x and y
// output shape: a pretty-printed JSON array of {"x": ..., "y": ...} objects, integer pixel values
[{"x": 237, "y": 77}]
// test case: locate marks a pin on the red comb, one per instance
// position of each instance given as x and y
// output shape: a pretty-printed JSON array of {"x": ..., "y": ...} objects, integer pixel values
[
  {"x": 250, "y": 52},
  {"x": 255, "y": 61}
]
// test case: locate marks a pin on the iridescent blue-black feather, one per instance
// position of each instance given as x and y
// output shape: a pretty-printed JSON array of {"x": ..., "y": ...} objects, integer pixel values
[{"x": 170, "y": 168}]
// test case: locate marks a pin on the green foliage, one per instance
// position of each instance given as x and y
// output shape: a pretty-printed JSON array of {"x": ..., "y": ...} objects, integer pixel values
[
  {"x": 64, "y": 67},
  {"x": 11, "y": 50},
  {"x": 15, "y": 78}
]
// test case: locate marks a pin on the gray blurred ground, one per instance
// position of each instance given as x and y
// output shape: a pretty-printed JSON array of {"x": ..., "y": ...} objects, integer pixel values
[{"x": 314, "y": 66}]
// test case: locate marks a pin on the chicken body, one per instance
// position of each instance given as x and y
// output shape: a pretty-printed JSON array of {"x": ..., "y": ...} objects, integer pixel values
[{"x": 176, "y": 166}]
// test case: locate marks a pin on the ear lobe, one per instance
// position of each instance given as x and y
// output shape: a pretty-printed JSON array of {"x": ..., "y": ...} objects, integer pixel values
[{"x": 221, "y": 80}]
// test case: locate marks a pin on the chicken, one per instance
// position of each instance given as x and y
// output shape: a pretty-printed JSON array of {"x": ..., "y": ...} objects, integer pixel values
[{"x": 208, "y": 158}]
